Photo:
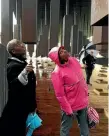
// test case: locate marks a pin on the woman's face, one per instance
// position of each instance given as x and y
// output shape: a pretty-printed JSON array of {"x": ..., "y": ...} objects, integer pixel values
[{"x": 63, "y": 55}]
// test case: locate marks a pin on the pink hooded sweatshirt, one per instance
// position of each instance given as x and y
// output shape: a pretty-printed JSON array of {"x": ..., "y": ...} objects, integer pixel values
[{"x": 69, "y": 84}]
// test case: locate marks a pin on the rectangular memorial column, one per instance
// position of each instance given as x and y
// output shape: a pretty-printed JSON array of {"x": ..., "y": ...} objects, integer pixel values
[
  {"x": 14, "y": 6},
  {"x": 45, "y": 40},
  {"x": 74, "y": 35},
  {"x": 54, "y": 22},
  {"x": 67, "y": 23},
  {"x": 39, "y": 47},
  {"x": 30, "y": 48},
  {"x": 79, "y": 41},
  {"x": 100, "y": 38},
  {"x": 18, "y": 17},
  {"x": 3, "y": 75},
  {"x": 43, "y": 43},
  {"x": 84, "y": 40},
  {"x": 6, "y": 36},
  {"x": 16, "y": 33},
  {"x": 6, "y": 21},
  {"x": 29, "y": 21}
]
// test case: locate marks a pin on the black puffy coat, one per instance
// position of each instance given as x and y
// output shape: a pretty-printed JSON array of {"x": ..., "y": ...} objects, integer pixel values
[{"x": 21, "y": 100}]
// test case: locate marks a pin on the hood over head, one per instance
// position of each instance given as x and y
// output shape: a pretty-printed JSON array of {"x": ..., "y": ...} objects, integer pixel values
[{"x": 53, "y": 54}]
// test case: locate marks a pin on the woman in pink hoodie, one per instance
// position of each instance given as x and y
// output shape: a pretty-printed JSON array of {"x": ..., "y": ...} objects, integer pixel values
[{"x": 71, "y": 91}]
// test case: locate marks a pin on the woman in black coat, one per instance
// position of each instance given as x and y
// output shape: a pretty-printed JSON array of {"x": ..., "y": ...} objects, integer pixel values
[{"x": 21, "y": 92}]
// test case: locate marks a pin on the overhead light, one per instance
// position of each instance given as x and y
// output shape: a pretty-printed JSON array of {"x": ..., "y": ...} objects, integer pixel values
[
  {"x": 90, "y": 38},
  {"x": 14, "y": 19},
  {"x": 59, "y": 44}
]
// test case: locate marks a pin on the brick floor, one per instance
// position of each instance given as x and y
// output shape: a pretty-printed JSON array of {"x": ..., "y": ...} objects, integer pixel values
[{"x": 49, "y": 111}]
